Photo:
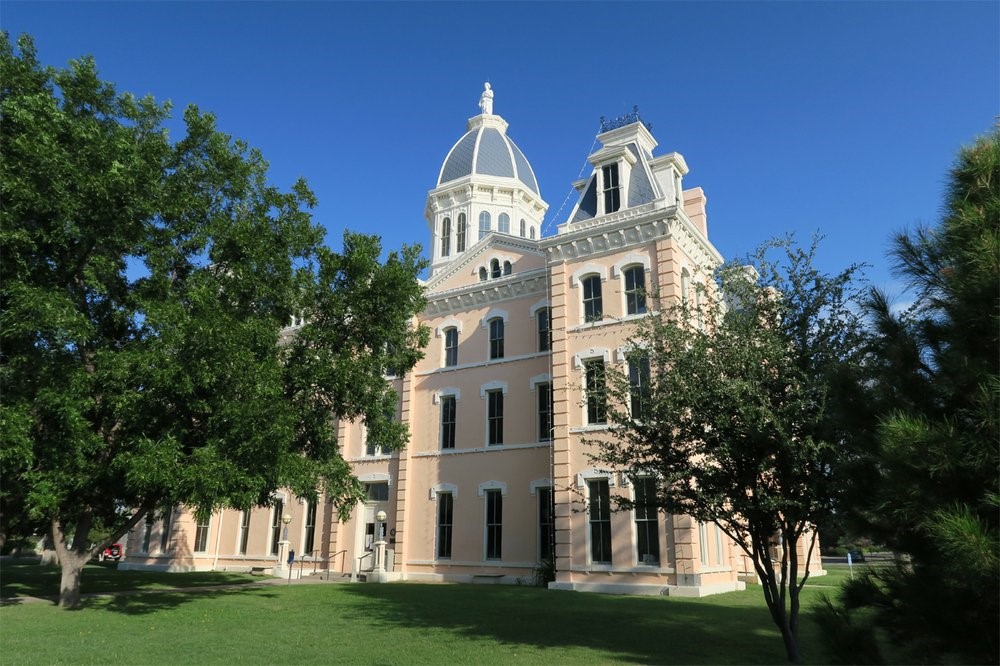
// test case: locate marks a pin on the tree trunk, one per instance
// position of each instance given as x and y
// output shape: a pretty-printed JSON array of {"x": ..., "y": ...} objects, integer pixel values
[
  {"x": 69, "y": 586},
  {"x": 791, "y": 643},
  {"x": 71, "y": 560}
]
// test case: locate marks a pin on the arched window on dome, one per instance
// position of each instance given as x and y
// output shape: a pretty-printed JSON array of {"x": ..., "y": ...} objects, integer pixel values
[
  {"x": 482, "y": 274},
  {"x": 523, "y": 230},
  {"x": 460, "y": 234},
  {"x": 504, "y": 223},
  {"x": 495, "y": 268},
  {"x": 506, "y": 268},
  {"x": 532, "y": 233},
  {"x": 446, "y": 237},
  {"x": 484, "y": 224}
]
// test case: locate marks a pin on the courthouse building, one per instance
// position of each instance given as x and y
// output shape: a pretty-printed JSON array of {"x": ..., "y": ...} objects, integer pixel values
[{"x": 496, "y": 477}]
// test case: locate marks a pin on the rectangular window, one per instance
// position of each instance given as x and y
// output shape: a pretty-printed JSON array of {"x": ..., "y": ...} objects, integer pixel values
[
  {"x": 450, "y": 347},
  {"x": 147, "y": 532},
  {"x": 544, "y": 392},
  {"x": 310, "y": 542},
  {"x": 593, "y": 305},
  {"x": 546, "y": 524},
  {"x": 596, "y": 388},
  {"x": 244, "y": 532},
  {"x": 612, "y": 191},
  {"x": 165, "y": 528},
  {"x": 494, "y": 524},
  {"x": 496, "y": 338},
  {"x": 600, "y": 521},
  {"x": 460, "y": 234},
  {"x": 446, "y": 508},
  {"x": 446, "y": 237},
  {"x": 638, "y": 380},
  {"x": 635, "y": 290},
  {"x": 448, "y": 422},
  {"x": 544, "y": 330},
  {"x": 377, "y": 492},
  {"x": 201, "y": 535},
  {"x": 718, "y": 546},
  {"x": 494, "y": 417},
  {"x": 703, "y": 543},
  {"x": 279, "y": 507},
  {"x": 646, "y": 521}
]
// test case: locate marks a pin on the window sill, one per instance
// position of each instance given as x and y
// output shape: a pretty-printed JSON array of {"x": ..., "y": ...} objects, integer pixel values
[{"x": 596, "y": 427}]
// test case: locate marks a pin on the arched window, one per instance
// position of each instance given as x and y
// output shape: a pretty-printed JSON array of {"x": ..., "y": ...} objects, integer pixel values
[
  {"x": 544, "y": 330},
  {"x": 460, "y": 234},
  {"x": 593, "y": 309},
  {"x": 504, "y": 223},
  {"x": 484, "y": 224},
  {"x": 532, "y": 233},
  {"x": 506, "y": 268},
  {"x": 496, "y": 337},
  {"x": 635, "y": 290},
  {"x": 482, "y": 274},
  {"x": 446, "y": 237},
  {"x": 495, "y": 268},
  {"x": 685, "y": 286},
  {"x": 450, "y": 346},
  {"x": 523, "y": 228}
]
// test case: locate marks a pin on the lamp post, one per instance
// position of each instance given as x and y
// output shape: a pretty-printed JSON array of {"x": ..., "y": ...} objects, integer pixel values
[
  {"x": 283, "y": 545},
  {"x": 378, "y": 575}
]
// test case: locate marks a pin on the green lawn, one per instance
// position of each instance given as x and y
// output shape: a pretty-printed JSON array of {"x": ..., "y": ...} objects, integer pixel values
[{"x": 393, "y": 624}]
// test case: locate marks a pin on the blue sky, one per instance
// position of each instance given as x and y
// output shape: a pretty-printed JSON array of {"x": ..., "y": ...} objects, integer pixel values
[{"x": 794, "y": 117}]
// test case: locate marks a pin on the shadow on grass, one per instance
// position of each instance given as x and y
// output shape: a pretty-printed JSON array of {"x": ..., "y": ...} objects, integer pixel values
[
  {"x": 636, "y": 629},
  {"x": 135, "y": 590},
  {"x": 144, "y": 602}
]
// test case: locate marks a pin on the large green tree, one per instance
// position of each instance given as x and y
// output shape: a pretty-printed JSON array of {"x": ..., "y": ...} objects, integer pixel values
[
  {"x": 145, "y": 285},
  {"x": 727, "y": 403},
  {"x": 926, "y": 477}
]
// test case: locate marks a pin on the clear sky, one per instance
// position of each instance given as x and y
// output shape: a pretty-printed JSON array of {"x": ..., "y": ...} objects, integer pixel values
[{"x": 794, "y": 117}]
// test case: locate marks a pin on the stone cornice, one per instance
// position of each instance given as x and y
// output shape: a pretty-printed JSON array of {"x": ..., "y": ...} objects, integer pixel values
[
  {"x": 629, "y": 227},
  {"x": 482, "y": 294}
]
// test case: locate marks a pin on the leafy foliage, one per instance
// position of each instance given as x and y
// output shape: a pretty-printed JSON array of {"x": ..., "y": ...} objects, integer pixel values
[
  {"x": 926, "y": 473},
  {"x": 145, "y": 288},
  {"x": 736, "y": 417}
]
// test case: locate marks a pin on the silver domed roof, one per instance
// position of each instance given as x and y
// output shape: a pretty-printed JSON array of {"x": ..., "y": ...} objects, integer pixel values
[{"x": 486, "y": 150}]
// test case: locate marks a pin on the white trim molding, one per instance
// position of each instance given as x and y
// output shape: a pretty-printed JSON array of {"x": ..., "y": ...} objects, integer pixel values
[
  {"x": 447, "y": 323},
  {"x": 594, "y": 473},
  {"x": 492, "y": 386},
  {"x": 375, "y": 477},
  {"x": 587, "y": 354},
  {"x": 493, "y": 314},
  {"x": 448, "y": 390},
  {"x": 621, "y": 354},
  {"x": 492, "y": 485},
  {"x": 543, "y": 378},
  {"x": 539, "y": 483},
  {"x": 442, "y": 488},
  {"x": 533, "y": 310},
  {"x": 630, "y": 259},
  {"x": 589, "y": 269}
]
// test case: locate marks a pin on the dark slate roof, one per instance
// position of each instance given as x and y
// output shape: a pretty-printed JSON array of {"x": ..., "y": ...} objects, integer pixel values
[
  {"x": 487, "y": 151},
  {"x": 588, "y": 202}
]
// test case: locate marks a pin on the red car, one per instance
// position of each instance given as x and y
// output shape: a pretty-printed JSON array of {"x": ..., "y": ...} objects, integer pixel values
[{"x": 113, "y": 552}]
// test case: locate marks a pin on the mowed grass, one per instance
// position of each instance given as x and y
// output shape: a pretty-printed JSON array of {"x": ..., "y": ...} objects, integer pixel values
[{"x": 400, "y": 624}]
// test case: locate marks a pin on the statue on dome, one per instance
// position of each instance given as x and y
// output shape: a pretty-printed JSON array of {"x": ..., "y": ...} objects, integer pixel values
[{"x": 486, "y": 100}]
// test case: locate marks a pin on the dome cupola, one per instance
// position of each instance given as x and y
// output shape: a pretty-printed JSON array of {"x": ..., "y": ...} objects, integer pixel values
[{"x": 485, "y": 185}]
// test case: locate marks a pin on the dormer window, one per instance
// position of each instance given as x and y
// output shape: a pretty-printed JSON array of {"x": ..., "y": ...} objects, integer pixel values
[
  {"x": 612, "y": 190},
  {"x": 446, "y": 237}
]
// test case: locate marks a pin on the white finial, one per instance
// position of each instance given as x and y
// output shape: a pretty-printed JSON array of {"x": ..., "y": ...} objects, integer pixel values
[{"x": 486, "y": 100}]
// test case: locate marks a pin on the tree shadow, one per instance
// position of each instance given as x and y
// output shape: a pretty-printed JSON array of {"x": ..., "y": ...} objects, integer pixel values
[
  {"x": 143, "y": 602},
  {"x": 637, "y": 629}
]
